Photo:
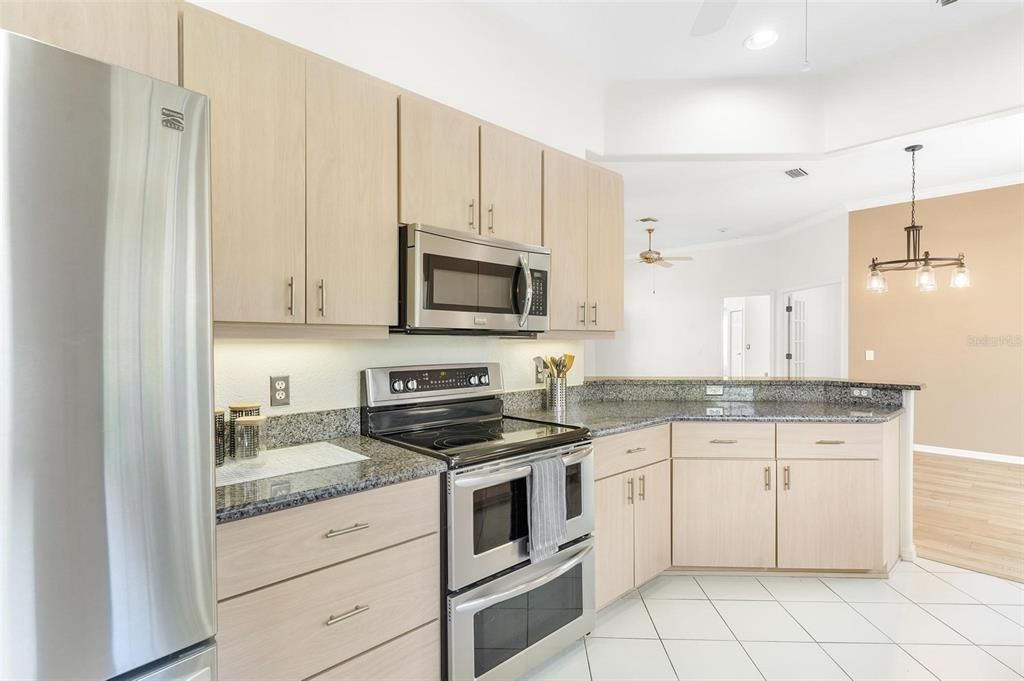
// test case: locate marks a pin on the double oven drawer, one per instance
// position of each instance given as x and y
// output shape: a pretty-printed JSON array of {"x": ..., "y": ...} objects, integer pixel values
[{"x": 488, "y": 510}]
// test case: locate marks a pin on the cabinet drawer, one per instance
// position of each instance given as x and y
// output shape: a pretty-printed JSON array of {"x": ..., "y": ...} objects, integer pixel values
[
  {"x": 723, "y": 440},
  {"x": 627, "y": 451},
  {"x": 416, "y": 656},
  {"x": 829, "y": 440},
  {"x": 297, "y": 628},
  {"x": 260, "y": 551}
]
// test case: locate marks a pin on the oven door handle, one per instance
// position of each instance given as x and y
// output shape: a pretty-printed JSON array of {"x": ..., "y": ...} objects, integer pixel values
[
  {"x": 477, "y": 481},
  {"x": 524, "y": 263},
  {"x": 576, "y": 457},
  {"x": 478, "y": 604}
]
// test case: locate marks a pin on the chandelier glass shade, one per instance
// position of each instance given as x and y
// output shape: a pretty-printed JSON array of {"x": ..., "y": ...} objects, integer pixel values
[{"x": 924, "y": 264}]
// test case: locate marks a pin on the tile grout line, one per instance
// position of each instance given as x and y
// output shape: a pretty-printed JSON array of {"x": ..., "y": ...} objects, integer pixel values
[
  {"x": 742, "y": 647},
  {"x": 671, "y": 664},
  {"x": 815, "y": 641},
  {"x": 586, "y": 656},
  {"x": 925, "y": 667}
]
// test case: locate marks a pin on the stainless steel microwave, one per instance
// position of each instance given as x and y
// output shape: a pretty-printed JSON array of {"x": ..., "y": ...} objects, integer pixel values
[{"x": 455, "y": 282}]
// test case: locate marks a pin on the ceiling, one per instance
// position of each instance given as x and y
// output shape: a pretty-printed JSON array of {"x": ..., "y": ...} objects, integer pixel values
[
  {"x": 695, "y": 200},
  {"x": 630, "y": 40}
]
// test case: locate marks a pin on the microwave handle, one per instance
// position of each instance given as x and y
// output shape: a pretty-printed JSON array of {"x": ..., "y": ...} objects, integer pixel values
[
  {"x": 484, "y": 602},
  {"x": 524, "y": 263}
]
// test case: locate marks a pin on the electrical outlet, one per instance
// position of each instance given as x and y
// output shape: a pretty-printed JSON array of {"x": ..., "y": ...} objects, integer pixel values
[
  {"x": 714, "y": 411},
  {"x": 714, "y": 390},
  {"x": 860, "y": 392},
  {"x": 280, "y": 391}
]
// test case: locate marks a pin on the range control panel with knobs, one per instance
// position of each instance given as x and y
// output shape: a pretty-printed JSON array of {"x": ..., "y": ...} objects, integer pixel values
[{"x": 426, "y": 380}]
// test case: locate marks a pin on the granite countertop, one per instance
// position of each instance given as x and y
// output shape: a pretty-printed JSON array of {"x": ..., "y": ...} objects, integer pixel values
[
  {"x": 608, "y": 418},
  {"x": 385, "y": 465}
]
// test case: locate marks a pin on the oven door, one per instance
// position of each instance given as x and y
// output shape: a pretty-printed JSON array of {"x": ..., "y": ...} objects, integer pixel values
[
  {"x": 488, "y": 507},
  {"x": 504, "y": 628},
  {"x": 475, "y": 284}
]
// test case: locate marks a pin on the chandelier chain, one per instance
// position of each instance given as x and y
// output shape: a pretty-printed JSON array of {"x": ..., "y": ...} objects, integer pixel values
[{"x": 913, "y": 188}]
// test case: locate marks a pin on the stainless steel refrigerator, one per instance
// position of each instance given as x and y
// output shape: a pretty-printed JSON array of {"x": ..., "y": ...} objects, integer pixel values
[{"x": 106, "y": 466}]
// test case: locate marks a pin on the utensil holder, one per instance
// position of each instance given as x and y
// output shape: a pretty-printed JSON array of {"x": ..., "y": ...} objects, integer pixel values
[
  {"x": 554, "y": 399},
  {"x": 248, "y": 436},
  {"x": 236, "y": 411},
  {"x": 220, "y": 445}
]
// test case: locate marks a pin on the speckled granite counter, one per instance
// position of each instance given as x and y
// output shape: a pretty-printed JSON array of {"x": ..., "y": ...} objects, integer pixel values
[
  {"x": 610, "y": 417},
  {"x": 385, "y": 465}
]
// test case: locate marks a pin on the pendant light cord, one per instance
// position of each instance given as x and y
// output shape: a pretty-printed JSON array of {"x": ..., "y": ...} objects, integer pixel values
[{"x": 806, "y": 5}]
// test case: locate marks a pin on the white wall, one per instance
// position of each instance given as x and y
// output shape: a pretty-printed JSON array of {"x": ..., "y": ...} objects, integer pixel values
[
  {"x": 757, "y": 332},
  {"x": 677, "y": 329},
  {"x": 325, "y": 374},
  {"x": 459, "y": 54}
]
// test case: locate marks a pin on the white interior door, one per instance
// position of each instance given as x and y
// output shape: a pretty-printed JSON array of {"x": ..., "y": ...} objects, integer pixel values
[
  {"x": 814, "y": 343},
  {"x": 736, "y": 343}
]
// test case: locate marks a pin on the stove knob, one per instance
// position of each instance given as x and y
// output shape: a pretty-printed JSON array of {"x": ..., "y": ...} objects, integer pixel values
[
  {"x": 473, "y": 380},
  {"x": 397, "y": 386},
  {"x": 485, "y": 379},
  {"x": 411, "y": 384}
]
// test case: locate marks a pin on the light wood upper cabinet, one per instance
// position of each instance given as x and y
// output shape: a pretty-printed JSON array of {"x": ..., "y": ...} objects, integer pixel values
[
  {"x": 256, "y": 86},
  {"x": 510, "y": 186},
  {"x": 566, "y": 234},
  {"x": 351, "y": 190},
  {"x": 830, "y": 515},
  {"x": 439, "y": 165},
  {"x": 605, "y": 249},
  {"x": 613, "y": 536},
  {"x": 723, "y": 513},
  {"x": 141, "y": 36},
  {"x": 652, "y": 519}
]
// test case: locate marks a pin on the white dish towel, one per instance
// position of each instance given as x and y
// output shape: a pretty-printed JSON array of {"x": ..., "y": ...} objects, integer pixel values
[{"x": 546, "y": 490}]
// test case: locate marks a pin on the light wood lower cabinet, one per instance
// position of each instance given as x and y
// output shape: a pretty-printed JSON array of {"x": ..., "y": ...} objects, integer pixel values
[
  {"x": 632, "y": 518},
  {"x": 830, "y": 515},
  {"x": 336, "y": 579},
  {"x": 723, "y": 513}
]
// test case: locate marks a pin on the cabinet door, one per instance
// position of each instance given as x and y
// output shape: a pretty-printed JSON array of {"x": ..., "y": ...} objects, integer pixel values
[
  {"x": 256, "y": 86},
  {"x": 510, "y": 186},
  {"x": 652, "y": 519},
  {"x": 605, "y": 250},
  {"x": 439, "y": 165},
  {"x": 141, "y": 36},
  {"x": 566, "y": 234},
  {"x": 351, "y": 191},
  {"x": 830, "y": 515},
  {"x": 614, "y": 499},
  {"x": 723, "y": 513}
]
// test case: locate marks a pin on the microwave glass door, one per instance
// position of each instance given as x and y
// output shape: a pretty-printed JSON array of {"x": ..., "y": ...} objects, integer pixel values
[
  {"x": 461, "y": 285},
  {"x": 510, "y": 627},
  {"x": 500, "y": 510}
]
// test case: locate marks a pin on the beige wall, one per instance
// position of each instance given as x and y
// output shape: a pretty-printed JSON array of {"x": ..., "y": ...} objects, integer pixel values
[{"x": 964, "y": 344}]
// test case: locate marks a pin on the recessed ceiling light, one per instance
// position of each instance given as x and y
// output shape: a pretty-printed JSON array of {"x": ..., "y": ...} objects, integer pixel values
[{"x": 761, "y": 39}]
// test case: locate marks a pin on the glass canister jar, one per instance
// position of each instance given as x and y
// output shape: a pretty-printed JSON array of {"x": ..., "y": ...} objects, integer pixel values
[
  {"x": 248, "y": 436},
  {"x": 236, "y": 411}
]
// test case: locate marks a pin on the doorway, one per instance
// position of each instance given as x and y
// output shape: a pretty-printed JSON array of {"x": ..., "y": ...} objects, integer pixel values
[
  {"x": 746, "y": 336},
  {"x": 813, "y": 332}
]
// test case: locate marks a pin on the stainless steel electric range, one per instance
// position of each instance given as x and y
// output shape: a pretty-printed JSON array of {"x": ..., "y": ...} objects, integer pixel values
[{"x": 505, "y": 614}]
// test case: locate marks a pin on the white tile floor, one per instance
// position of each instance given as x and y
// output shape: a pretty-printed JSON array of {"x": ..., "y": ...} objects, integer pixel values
[{"x": 926, "y": 621}]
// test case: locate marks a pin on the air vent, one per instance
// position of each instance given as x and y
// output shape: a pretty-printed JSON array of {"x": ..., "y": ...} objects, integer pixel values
[{"x": 796, "y": 172}]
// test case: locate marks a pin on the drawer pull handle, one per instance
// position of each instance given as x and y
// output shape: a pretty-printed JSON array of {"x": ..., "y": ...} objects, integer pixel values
[
  {"x": 830, "y": 442},
  {"x": 635, "y": 450},
  {"x": 724, "y": 442},
  {"x": 346, "y": 530},
  {"x": 358, "y": 610}
]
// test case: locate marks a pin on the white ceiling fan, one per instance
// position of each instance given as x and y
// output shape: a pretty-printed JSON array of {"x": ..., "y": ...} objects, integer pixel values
[
  {"x": 712, "y": 17},
  {"x": 653, "y": 257}
]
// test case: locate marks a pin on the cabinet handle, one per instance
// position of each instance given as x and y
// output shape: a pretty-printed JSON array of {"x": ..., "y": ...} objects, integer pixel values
[
  {"x": 767, "y": 477},
  {"x": 582, "y": 319},
  {"x": 785, "y": 477},
  {"x": 490, "y": 218},
  {"x": 346, "y": 530},
  {"x": 322, "y": 286},
  {"x": 358, "y": 610},
  {"x": 472, "y": 213},
  {"x": 629, "y": 496},
  {"x": 594, "y": 306},
  {"x": 634, "y": 450},
  {"x": 643, "y": 487},
  {"x": 291, "y": 296},
  {"x": 723, "y": 442},
  {"x": 830, "y": 442}
]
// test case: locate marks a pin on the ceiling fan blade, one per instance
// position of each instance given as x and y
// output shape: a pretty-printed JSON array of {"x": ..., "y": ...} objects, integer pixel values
[
  {"x": 712, "y": 17},
  {"x": 662, "y": 263},
  {"x": 679, "y": 258}
]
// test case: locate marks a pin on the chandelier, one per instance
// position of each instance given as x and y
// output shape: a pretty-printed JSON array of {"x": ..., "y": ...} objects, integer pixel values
[{"x": 926, "y": 264}]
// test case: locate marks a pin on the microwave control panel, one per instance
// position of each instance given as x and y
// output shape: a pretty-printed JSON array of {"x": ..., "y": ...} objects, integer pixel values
[
  {"x": 539, "y": 306},
  {"x": 438, "y": 379}
]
